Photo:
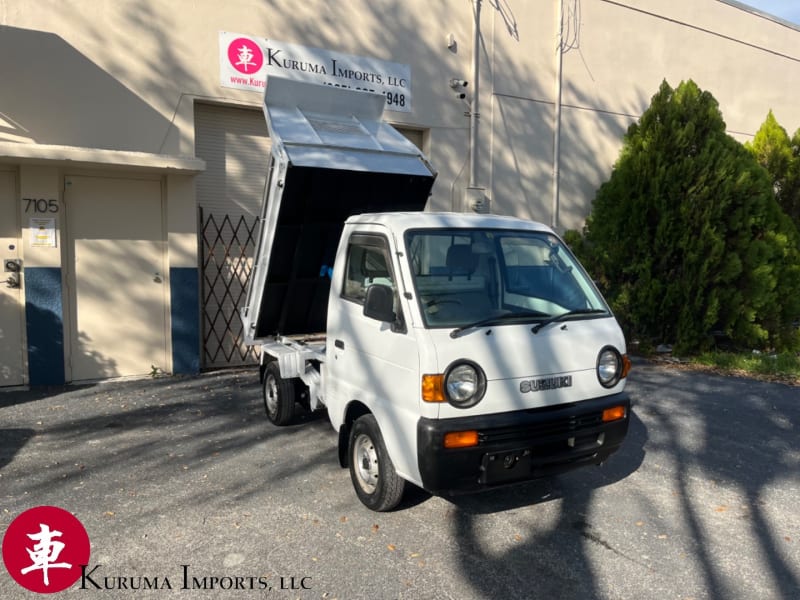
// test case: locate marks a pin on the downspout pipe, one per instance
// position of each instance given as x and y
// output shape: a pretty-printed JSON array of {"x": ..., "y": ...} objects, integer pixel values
[
  {"x": 557, "y": 113},
  {"x": 474, "y": 108}
]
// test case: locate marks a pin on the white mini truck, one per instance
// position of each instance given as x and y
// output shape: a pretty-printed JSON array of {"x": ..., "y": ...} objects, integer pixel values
[{"x": 458, "y": 352}]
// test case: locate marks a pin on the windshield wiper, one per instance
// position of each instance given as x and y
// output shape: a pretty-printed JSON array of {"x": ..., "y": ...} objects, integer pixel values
[
  {"x": 578, "y": 311},
  {"x": 498, "y": 319}
]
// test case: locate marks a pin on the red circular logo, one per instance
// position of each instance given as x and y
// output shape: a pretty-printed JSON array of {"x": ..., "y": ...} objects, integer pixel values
[
  {"x": 44, "y": 549},
  {"x": 245, "y": 56}
]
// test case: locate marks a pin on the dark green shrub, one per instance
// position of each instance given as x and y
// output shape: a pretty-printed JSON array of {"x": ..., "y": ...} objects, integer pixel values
[
  {"x": 780, "y": 156},
  {"x": 686, "y": 237}
]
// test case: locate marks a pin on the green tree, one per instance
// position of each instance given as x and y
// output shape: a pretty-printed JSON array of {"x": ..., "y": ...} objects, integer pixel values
[
  {"x": 686, "y": 236},
  {"x": 780, "y": 156},
  {"x": 791, "y": 205}
]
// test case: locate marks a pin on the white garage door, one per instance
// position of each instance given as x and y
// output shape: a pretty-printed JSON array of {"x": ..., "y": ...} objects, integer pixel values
[{"x": 234, "y": 143}]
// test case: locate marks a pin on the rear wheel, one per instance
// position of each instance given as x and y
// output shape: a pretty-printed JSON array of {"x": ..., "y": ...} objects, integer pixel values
[
  {"x": 376, "y": 482},
  {"x": 279, "y": 396}
]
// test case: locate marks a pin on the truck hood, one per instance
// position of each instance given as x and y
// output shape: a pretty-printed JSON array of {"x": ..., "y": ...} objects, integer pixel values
[{"x": 558, "y": 363}]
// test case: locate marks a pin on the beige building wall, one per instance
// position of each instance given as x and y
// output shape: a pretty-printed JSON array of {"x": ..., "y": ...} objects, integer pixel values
[
  {"x": 618, "y": 53},
  {"x": 124, "y": 75},
  {"x": 112, "y": 86}
]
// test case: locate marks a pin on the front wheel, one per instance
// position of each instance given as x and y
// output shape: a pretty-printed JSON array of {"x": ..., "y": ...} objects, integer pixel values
[
  {"x": 279, "y": 396},
  {"x": 377, "y": 484}
]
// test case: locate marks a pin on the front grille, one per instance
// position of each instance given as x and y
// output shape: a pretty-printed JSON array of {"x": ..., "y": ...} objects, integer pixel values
[{"x": 568, "y": 426}]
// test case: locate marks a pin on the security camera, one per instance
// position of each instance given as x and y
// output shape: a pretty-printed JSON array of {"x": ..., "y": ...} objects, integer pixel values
[
  {"x": 12, "y": 265},
  {"x": 458, "y": 85}
]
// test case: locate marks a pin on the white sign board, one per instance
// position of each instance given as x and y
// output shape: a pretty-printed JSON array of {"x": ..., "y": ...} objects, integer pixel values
[
  {"x": 245, "y": 62},
  {"x": 43, "y": 232}
]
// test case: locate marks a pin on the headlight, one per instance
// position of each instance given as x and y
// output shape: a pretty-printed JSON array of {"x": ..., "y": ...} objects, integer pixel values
[
  {"x": 609, "y": 367},
  {"x": 464, "y": 384}
]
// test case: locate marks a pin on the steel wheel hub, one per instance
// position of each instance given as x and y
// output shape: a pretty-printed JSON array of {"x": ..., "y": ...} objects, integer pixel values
[
  {"x": 271, "y": 397},
  {"x": 365, "y": 459}
]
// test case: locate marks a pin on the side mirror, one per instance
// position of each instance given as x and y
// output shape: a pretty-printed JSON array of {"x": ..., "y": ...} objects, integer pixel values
[{"x": 379, "y": 303}]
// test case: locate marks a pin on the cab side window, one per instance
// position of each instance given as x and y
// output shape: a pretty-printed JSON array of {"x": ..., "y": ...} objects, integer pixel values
[{"x": 367, "y": 264}]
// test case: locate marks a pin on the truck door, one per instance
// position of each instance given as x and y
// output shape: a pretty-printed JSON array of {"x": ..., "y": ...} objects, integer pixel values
[{"x": 375, "y": 362}]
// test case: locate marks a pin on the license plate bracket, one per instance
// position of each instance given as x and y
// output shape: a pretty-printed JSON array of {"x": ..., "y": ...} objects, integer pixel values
[{"x": 506, "y": 465}]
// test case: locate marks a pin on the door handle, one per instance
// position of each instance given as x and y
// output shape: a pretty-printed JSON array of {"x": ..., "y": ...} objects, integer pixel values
[
  {"x": 339, "y": 344},
  {"x": 12, "y": 281}
]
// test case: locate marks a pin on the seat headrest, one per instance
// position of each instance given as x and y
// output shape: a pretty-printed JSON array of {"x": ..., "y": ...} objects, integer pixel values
[{"x": 460, "y": 259}]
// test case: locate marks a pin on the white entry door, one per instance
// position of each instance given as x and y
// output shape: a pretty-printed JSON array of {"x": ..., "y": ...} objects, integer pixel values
[
  {"x": 12, "y": 371},
  {"x": 118, "y": 284}
]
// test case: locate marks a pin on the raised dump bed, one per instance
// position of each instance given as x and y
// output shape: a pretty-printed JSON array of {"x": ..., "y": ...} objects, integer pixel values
[{"x": 332, "y": 157}]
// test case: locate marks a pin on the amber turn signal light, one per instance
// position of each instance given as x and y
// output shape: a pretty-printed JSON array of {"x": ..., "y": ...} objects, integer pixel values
[
  {"x": 626, "y": 366},
  {"x": 460, "y": 439},
  {"x": 615, "y": 413},
  {"x": 433, "y": 388}
]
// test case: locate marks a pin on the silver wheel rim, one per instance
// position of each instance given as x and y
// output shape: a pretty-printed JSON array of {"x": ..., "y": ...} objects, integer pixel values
[
  {"x": 271, "y": 395},
  {"x": 365, "y": 459}
]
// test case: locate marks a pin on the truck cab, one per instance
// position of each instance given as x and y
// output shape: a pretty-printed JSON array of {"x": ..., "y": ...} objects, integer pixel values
[{"x": 456, "y": 352}]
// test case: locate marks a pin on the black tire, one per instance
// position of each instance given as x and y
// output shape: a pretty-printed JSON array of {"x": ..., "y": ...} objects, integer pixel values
[
  {"x": 377, "y": 484},
  {"x": 279, "y": 396}
]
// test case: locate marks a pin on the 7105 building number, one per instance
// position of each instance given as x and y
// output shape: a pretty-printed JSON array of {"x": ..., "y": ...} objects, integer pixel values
[{"x": 40, "y": 205}]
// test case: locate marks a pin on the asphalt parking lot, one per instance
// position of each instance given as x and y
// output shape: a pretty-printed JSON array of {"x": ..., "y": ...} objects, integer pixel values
[{"x": 184, "y": 480}]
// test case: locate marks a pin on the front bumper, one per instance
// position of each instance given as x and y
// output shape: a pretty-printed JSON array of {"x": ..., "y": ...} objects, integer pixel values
[{"x": 520, "y": 445}]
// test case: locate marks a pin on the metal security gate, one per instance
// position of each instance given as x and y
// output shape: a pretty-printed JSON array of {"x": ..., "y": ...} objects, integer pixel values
[
  {"x": 234, "y": 143},
  {"x": 228, "y": 247}
]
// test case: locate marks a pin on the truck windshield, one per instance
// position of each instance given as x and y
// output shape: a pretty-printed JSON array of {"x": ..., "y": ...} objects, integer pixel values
[{"x": 469, "y": 277}]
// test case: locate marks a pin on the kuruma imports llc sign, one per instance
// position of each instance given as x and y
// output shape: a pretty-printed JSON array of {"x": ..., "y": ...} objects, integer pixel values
[{"x": 246, "y": 61}]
